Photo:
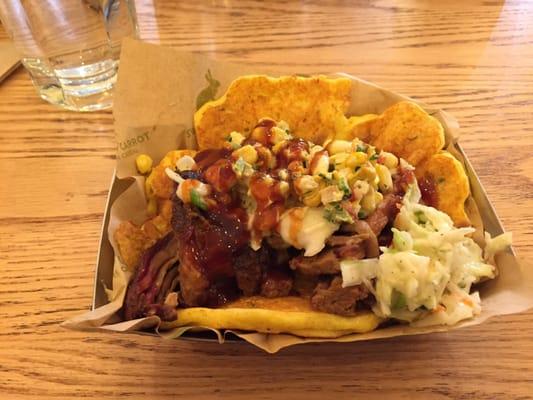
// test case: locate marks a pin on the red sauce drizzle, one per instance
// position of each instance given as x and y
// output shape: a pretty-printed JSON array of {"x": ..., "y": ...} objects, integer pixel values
[
  {"x": 316, "y": 159},
  {"x": 206, "y": 158},
  {"x": 221, "y": 175},
  {"x": 270, "y": 203},
  {"x": 428, "y": 191},
  {"x": 213, "y": 245},
  {"x": 263, "y": 131},
  {"x": 292, "y": 150}
]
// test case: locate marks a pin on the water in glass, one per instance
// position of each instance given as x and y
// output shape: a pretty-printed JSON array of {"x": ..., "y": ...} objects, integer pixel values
[{"x": 71, "y": 47}]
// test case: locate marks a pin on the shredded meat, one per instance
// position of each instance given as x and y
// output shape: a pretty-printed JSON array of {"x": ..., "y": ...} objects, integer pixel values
[
  {"x": 276, "y": 283},
  {"x": 331, "y": 297},
  {"x": 304, "y": 284},
  {"x": 389, "y": 207},
  {"x": 348, "y": 246},
  {"x": 386, "y": 211},
  {"x": 325, "y": 262},
  {"x": 363, "y": 229},
  {"x": 248, "y": 266}
]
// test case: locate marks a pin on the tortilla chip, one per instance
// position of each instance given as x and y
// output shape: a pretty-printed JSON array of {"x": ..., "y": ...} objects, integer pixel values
[
  {"x": 358, "y": 126},
  {"x": 131, "y": 241},
  {"x": 158, "y": 184},
  {"x": 451, "y": 185},
  {"x": 311, "y": 107},
  {"x": 281, "y": 315},
  {"x": 406, "y": 130}
]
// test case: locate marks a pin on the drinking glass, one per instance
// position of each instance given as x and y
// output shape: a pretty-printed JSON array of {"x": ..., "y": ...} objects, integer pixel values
[{"x": 71, "y": 47}]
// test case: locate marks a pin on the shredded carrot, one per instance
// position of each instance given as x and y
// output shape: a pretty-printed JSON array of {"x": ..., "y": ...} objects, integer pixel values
[
  {"x": 468, "y": 302},
  {"x": 439, "y": 308}
]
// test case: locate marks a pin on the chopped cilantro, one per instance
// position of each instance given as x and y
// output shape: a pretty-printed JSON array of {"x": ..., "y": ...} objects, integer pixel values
[
  {"x": 361, "y": 148},
  {"x": 374, "y": 157},
  {"x": 362, "y": 215},
  {"x": 334, "y": 212},
  {"x": 343, "y": 185}
]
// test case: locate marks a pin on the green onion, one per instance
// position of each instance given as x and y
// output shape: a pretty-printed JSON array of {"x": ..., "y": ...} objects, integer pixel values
[
  {"x": 197, "y": 201},
  {"x": 421, "y": 217},
  {"x": 398, "y": 300}
]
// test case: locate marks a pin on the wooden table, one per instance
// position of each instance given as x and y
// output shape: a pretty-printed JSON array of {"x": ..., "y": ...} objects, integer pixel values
[{"x": 474, "y": 59}]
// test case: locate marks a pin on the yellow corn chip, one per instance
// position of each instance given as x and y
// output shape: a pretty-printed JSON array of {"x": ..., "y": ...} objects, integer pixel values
[
  {"x": 310, "y": 106},
  {"x": 158, "y": 184},
  {"x": 356, "y": 127},
  {"x": 279, "y": 315},
  {"x": 406, "y": 130},
  {"x": 451, "y": 185}
]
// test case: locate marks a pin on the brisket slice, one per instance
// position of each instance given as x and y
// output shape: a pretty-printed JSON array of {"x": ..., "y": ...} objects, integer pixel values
[
  {"x": 194, "y": 285},
  {"x": 348, "y": 246},
  {"x": 149, "y": 285},
  {"x": 276, "y": 283},
  {"x": 389, "y": 207},
  {"x": 327, "y": 262},
  {"x": 332, "y": 298},
  {"x": 386, "y": 211},
  {"x": 262, "y": 272},
  {"x": 248, "y": 266},
  {"x": 304, "y": 284}
]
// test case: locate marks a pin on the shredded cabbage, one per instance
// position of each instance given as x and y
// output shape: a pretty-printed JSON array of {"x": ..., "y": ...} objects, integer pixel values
[{"x": 426, "y": 275}]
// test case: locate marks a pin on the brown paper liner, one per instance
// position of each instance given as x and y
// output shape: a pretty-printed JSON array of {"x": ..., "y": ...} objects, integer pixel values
[{"x": 155, "y": 100}]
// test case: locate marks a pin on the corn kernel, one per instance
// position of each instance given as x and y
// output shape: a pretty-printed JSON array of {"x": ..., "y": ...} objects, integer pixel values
[
  {"x": 339, "y": 146},
  {"x": 236, "y": 139},
  {"x": 366, "y": 173},
  {"x": 284, "y": 188},
  {"x": 320, "y": 166},
  {"x": 278, "y": 135},
  {"x": 338, "y": 160},
  {"x": 248, "y": 154},
  {"x": 278, "y": 146},
  {"x": 356, "y": 159},
  {"x": 305, "y": 184},
  {"x": 368, "y": 202},
  {"x": 389, "y": 159},
  {"x": 385, "y": 179},
  {"x": 360, "y": 189},
  {"x": 330, "y": 194},
  {"x": 144, "y": 163},
  {"x": 378, "y": 197}
]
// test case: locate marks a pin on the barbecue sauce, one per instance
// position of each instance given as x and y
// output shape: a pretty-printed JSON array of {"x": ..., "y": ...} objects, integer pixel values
[{"x": 428, "y": 191}]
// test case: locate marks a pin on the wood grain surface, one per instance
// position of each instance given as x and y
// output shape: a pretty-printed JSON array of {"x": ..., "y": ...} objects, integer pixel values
[{"x": 472, "y": 58}]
